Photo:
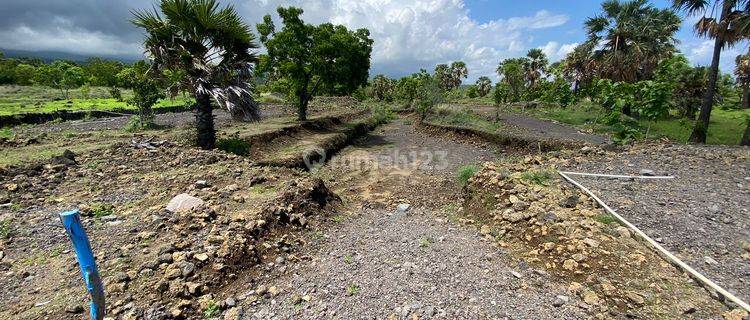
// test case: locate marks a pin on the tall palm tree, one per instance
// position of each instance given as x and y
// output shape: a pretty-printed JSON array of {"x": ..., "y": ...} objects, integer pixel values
[
  {"x": 629, "y": 38},
  {"x": 215, "y": 50},
  {"x": 535, "y": 66},
  {"x": 742, "y": 72},
  {"x": 484, "y": 86},
  {"x": 727, "y": 29},
  {"x": 458, "y": 70}
]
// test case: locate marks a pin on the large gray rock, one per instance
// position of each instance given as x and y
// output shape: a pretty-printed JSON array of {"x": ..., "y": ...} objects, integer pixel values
[{"x": 183, "y": 202}]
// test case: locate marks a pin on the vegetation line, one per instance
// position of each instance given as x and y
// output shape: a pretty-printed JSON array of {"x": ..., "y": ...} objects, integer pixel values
[{"x": 666, "y": 254}]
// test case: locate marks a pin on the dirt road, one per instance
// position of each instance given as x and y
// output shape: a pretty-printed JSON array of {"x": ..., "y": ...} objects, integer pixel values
[{"x": 380, "y": 262}]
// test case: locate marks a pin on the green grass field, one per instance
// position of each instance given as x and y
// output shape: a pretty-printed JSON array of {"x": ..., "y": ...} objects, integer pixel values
[
  {"x": 37, "y": 99},
  {"x": 726, "y": 126}
]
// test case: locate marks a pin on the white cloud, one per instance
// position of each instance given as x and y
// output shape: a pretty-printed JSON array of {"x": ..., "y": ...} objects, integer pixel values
[
  {"x": 410, "y": 35},
  {"x": 556, "y": 52},
  {"x": 700, "y": 52},
  {"x": 67, "y": 39}
]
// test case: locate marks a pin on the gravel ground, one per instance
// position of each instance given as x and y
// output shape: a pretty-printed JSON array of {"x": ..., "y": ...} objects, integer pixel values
[
  {"x": 379, "y": 262},
  {"x": 703, "y": 215},
  {"x": 544, "y": 129}
]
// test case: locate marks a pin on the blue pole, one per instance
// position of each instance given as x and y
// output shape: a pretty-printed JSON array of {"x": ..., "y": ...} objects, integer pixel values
[{"x": 71, "y": 220}]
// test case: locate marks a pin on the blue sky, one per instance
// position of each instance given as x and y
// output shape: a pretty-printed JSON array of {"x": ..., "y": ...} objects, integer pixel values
[{"x": 408, "y": 34}]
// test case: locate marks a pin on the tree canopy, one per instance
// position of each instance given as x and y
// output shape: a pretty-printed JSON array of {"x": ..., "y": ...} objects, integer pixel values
[{"x": 313, "y": 59}]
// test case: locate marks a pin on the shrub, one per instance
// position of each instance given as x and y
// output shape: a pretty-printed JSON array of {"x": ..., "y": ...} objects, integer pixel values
[
  {"x": 234, "y": 145},
  {"x": 537, "y": 177},
  {"x": 382, "y": 114},
  {"x": 116, "y": 93},
  {"x": 465, "y": 173},
  {"x": 5, "y": 229},
  {"x": 135, "y": 124}
]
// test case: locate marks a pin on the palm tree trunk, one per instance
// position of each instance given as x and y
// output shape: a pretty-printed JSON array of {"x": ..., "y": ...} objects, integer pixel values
[
  {"x": 701, "y": 125},
  {"x": 746, "y": 137},
  {"x": 204, "y": 121},
  {"x": 746, "y": 97}
]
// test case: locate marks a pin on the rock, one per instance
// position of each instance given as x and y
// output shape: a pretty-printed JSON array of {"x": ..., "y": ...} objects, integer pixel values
[
  {"x": 578, "y": 257},
  {"x": 188, "y": 269},
  {"x": 516, "y": 274},
  {"x": 201, "y": 184},
  {"x": 570, "y": 265},
  {"x": 590, "y": 298},
  {"x": 121, "y": 277},
  {"x": 230, "y": 302},
  {"x": 570, "y": 202},
  {"x": 68, "y": 158},
  {"x": 710, "y": 260},
  {"x": 233, "y": 314},
  {"x": 635, "y": 298},
  {"x": 623, "y": 232},
  {"x": 295, "y": 299},
  {"x": 736, "y": 314},
  {"x": 403, "y": 208},
  {"x": 202, "y": 257},
  {"x": 520, "y": 206},
  {"x": 273, "y": 291},
  {"x": 183, "y": 202},
  {"x": 485, "y": 230},
  {"x": 279, "y": 260},
  {"x": 74, "y": 309},
  {"x": 560, "y": 300},
  {"x": 261, "y": 290},
  {"x": 647, "y": 172},
  {"x": 165, "y": 258},
  {"x": 714, "y": 208},
  {"x": 591, "y": 242}
]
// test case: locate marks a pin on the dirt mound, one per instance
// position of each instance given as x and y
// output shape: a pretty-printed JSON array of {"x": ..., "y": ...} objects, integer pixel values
[
  {"x": 529, "y": 210},
  {"x": 155, "y": 263}
]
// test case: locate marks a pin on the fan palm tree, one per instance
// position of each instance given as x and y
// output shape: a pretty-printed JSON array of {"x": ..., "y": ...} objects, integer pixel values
[
  {"x": 630, "y": 38},
  {"x": 535, "y": 66},
  {"x": 214, "y": 49},
  {"x": 742, "y": 72},
  {"x": 458, "y": 70},
  {"x": 484, "y": 86},
  {"x": 728, "y": 28}
]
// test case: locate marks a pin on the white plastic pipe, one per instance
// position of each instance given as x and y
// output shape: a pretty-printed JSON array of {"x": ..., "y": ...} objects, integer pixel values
[
  {"x": 666, "y": 254},
  {"x": 616, "y": 175}
]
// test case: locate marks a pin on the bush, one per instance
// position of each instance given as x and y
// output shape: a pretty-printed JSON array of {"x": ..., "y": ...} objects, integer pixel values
[
  {"x": 116, "y": 93},
  {"x": 465, "y": 173},
  {"x": 234, "y": 145},
  {"x": 5, "y": 229},
  {"x": 135, "y": 124},
  {"x": 537, "y": 177},
  {"x": 382, "y": 114},
  {"x": 472, "y": 92}
]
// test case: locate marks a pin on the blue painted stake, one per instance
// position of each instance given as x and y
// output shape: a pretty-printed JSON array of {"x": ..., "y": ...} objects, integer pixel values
[{"x": 71, "y": 220}]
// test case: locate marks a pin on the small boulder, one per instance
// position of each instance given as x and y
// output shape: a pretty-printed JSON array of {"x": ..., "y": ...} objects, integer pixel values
[{"x": 183, "y": 202}]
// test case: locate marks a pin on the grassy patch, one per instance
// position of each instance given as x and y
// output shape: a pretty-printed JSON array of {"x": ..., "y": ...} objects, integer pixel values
[
  {"x": 537, "y": 177},
  {"x": 99, "y": 210},
  {"x": 5, "y": 229},
  {"x": 38, "y": 99},
  {"x": 348, "y": 259},
  {"x": 352, "y": 289},
  {"x": 726, "y": 126},
  {"x": 339, "y": 218},
  {"x": 424, "y": 242},
  {"x": 6, "y": 133},
  {"x": 237, "y": 146},
  {"x": 605, "y": 218},
  {"x": 462, "y": 118},
  {"x": 212, "y": 311},
  {"x": 466, "y": 172}
]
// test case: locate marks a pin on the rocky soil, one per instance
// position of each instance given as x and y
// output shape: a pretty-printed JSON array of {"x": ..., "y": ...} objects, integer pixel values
[{"x": 703, "y": 215}]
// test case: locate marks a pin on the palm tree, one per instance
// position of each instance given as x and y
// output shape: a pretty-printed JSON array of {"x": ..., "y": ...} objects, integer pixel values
[
  {"x": 458, "y": 70},
  {"x": 535, "y": 66},
  {"x": 629, "y": 38},
  {"x": 484, "y": 86},
  {"x": 727, "y": 29},
  {"x": 742, "y": 72},
  {"x": 579, "y": 68},
  {"x": 214, "y": 49}
]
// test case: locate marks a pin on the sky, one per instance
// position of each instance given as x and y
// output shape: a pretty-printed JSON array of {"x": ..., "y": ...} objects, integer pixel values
[{"x": 408, "y": 34}]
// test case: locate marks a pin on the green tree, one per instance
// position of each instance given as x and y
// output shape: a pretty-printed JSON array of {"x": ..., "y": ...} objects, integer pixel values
[
  {"x": 102, "y": 72},
  {"x": 484, "y": 86},
  {"x": 147, "y": 90},
  {"x": 24, "y": 74},
  {"x": 742, "y": 73},
  {"x": 214, "y": 47},
  {"x": 383, "y": 88},
  {"x": 512, "y": 73},
  {"x": 325, "y": 58},
  {"x": 60, "y": 75},
  {"x": 726, "y": 22},
  {"x": 429, "y": 95},
  {"x": 535, "y": 67},
  {"x": 630, "y": 37},
  {"x": 458, "y": 70},
  {"x": 406, "y": 89}
]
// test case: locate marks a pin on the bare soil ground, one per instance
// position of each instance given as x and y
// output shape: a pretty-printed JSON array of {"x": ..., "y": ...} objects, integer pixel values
[
  {"x": 526, "y": 126},
  {"x": 380, "y": 262},
  {"x": 702, "y": 215}
]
